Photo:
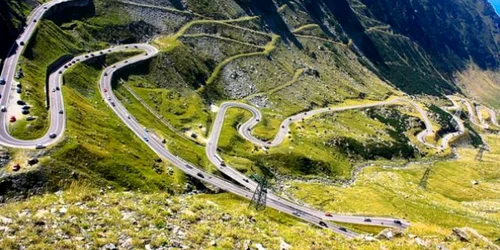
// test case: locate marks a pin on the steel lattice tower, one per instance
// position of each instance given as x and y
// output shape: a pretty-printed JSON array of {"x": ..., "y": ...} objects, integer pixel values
[{"x": 260, "y": 194}]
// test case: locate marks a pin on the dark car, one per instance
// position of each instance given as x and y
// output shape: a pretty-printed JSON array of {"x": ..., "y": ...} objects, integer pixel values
[
  {"x": 368, "y": 220},
  {"x": 21, "y": 102},
  {"x": 52, "y": 135},
  {"x": 343, "y": 229},
  {"x": 21, "y": 43},
  {"x": 323, "y": 224},
  {"x": 25, "y": 112},
  {"x": 26, "y": 107},
  {"x": 200, "y": 175},
  {"x": 39, "y": 146},
  {"x": 397, "y": 222}
]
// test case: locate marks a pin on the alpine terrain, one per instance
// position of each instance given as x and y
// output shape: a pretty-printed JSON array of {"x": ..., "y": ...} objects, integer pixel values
[{"x": 249, "y": 124}]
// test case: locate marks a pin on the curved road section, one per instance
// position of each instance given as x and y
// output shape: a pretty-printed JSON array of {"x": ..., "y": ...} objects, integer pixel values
[
  {"x": 58, "y": 118},
  {"x": 246, "y": 187},
  {"x": 57, "y": 121}
]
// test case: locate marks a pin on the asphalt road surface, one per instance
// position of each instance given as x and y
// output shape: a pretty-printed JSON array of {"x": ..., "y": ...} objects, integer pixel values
[
  {"x": 246, "y": 187},
  {"x": 57, "y": 121}
]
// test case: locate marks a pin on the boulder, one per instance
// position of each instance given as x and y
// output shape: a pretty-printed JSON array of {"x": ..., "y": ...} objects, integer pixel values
[
  {"x": 259, "y": 246},
  {"x": 386, "y": 234},
  {"x": 461, "y": 234},
  {"x": 284, "y": 245}
]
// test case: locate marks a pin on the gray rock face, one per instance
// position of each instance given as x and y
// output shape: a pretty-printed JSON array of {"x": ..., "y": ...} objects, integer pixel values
[
  {"x": 164, "y": 20},
  {"x": 260, "y": 101},
  {"x": 236, "y": 82}
]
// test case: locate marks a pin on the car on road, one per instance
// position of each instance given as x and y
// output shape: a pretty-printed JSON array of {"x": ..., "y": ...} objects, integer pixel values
[
  {"x": 60, "y": 71},
  {"x": 53, "y": 90},
  {"x": 200, "y": 175},
  {"x": 323, "y": 224},
  {"x": 39, "y": 146},
  {"x": 105, "y": 73},
  {"x": 21, "y": 43},
  {"x": 397, "y": 222},
  {"x": 328, "y": 215},
  {"x": 245, "y": 180},
  {"x": 146, "y": 129},
  {"x": 367, "y": 220},
  {"x": 60, "y": 111},
  {"x": 126, "y": 61},
  {"x": 57, "y": 88},
  {"x": 188, "y": 166},
  {"x": 296, "y": 213},
  {"x": 34, "y": 20},
  {"x": 3, "y": 108},
  {"x": 52, "y": 135},
  {"x": 105, "y": 90},
  {"x": 135, "y": 46},
  {"x": 128, "y": 116},
  {"x": 343, "y": 229},
  {"x": 109, "y": 98},
  {"x": 145, "y": 138},
  {"x": 113, "y": 104},
  {"x": 2, "y": 81}
]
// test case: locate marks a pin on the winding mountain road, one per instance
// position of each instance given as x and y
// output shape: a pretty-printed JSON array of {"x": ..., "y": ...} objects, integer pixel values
[{"x": 246, "y": 187}]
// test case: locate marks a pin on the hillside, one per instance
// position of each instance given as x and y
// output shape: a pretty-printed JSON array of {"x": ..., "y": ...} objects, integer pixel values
[{"x": 395, "y": 80}]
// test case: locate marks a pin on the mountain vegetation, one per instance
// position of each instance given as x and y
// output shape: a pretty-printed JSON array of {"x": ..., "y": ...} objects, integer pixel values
[{"x": 283, "y": 57}]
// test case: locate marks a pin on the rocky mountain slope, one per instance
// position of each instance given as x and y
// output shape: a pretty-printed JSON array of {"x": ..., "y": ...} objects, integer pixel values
[{"x": 284, "y": 57}]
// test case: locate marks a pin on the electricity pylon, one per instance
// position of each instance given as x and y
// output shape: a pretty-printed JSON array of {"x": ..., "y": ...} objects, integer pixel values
[{"x": 260, "y": 194}]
